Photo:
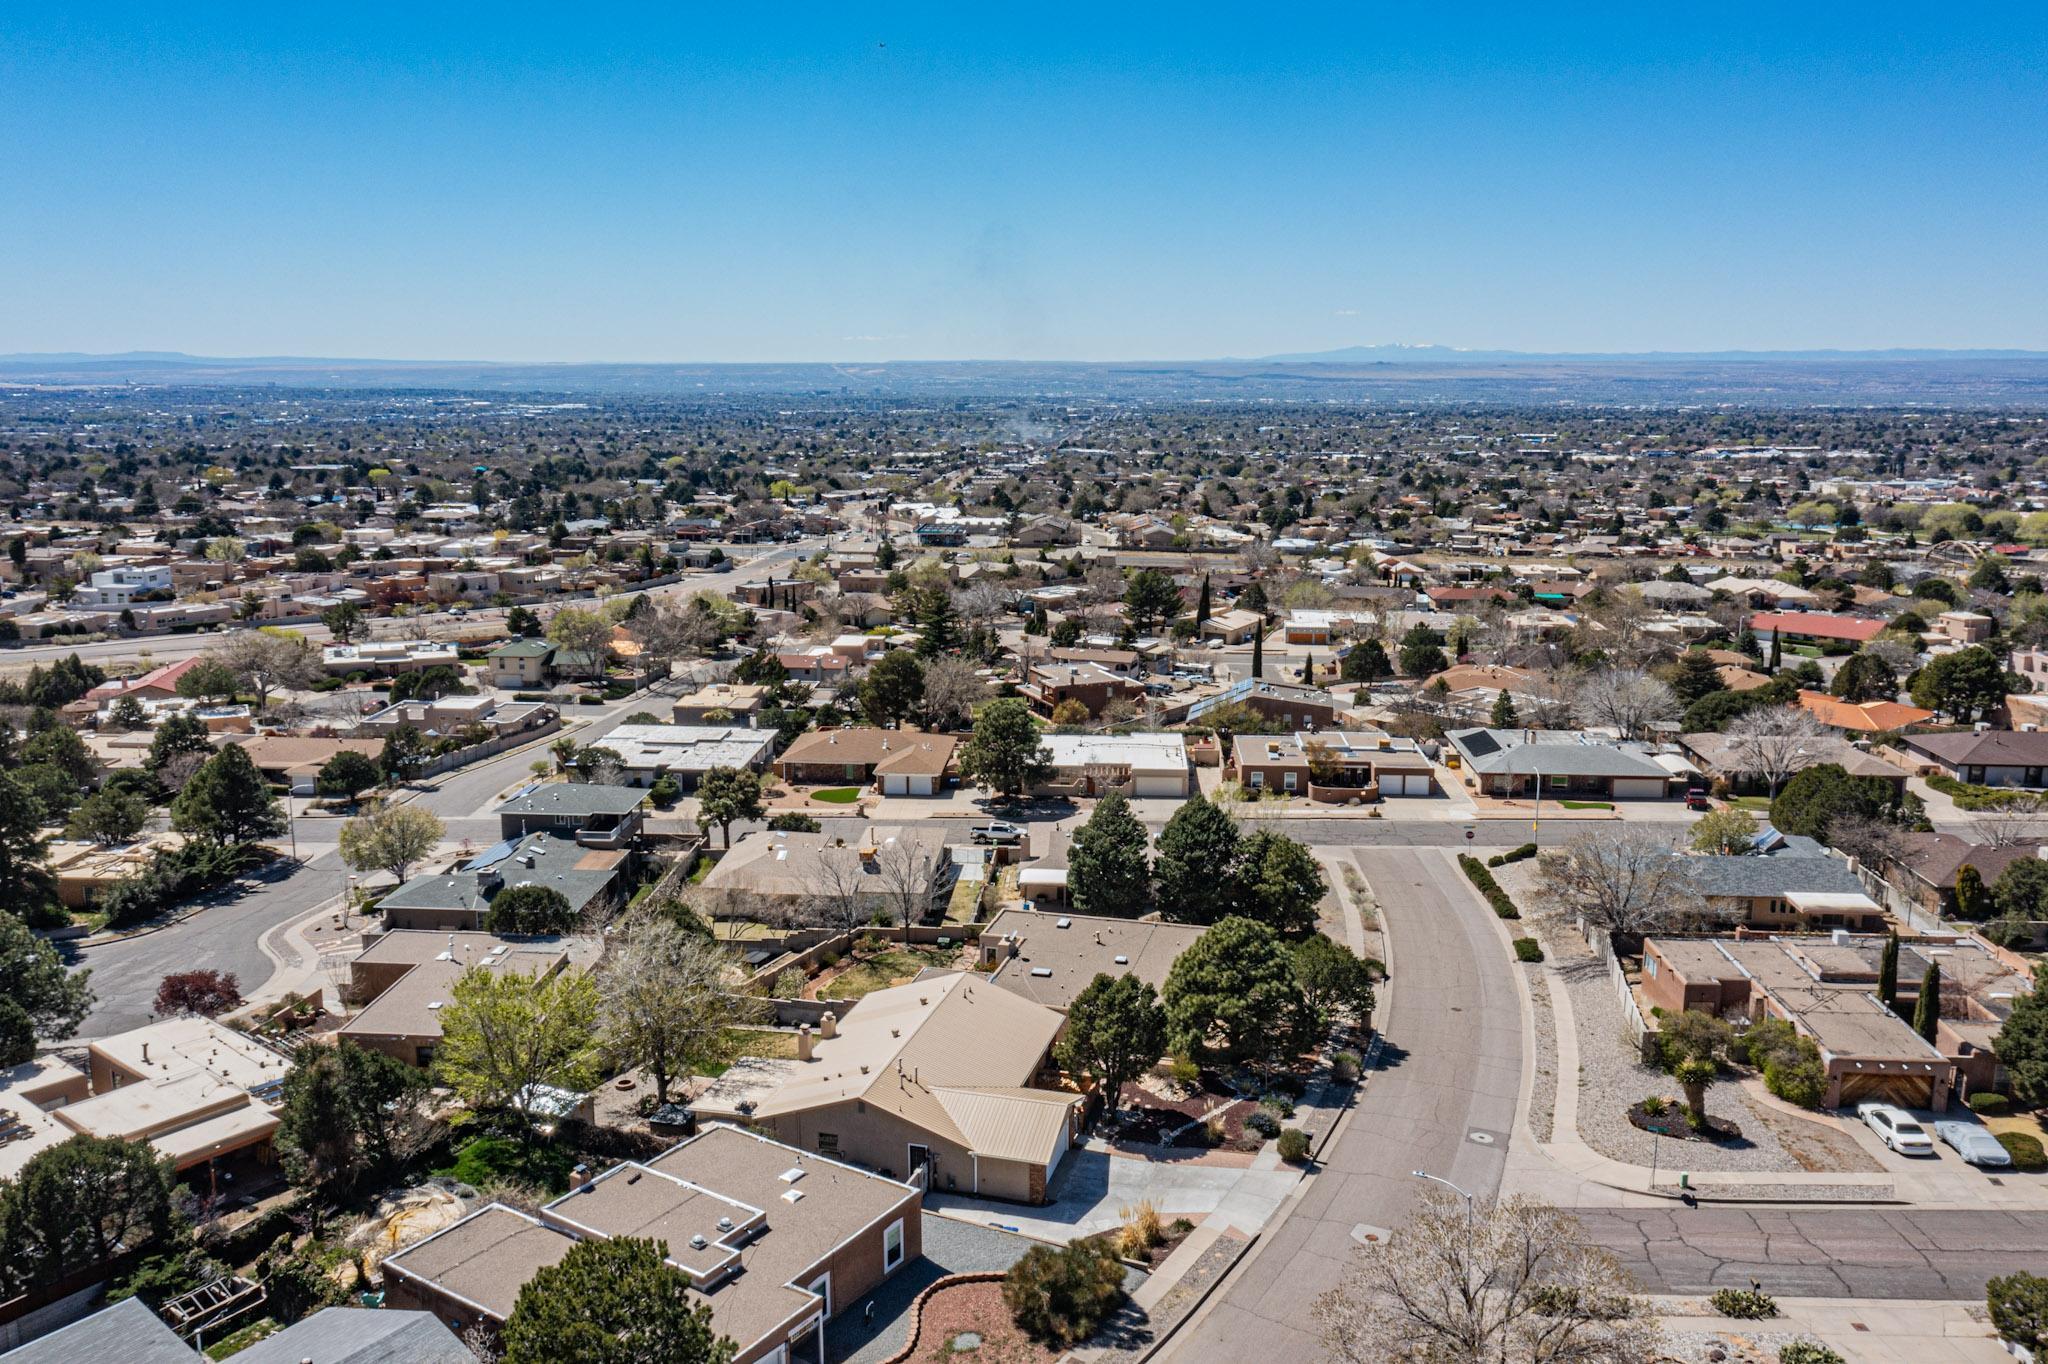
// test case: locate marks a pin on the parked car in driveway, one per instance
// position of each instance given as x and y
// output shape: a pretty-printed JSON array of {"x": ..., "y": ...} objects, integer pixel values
[
  {"x": 997, "y": 832},
  {"x": 1896, "y": 1128},
  {"x": 1973, "y": 1143}
]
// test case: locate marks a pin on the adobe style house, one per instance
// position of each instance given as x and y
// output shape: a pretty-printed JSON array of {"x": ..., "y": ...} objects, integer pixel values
[
  {"x": 1995, "y": 757},
  {"x": 895, "y": 762},
  {"x": 400, "y": 982},
  {"x": 936, "y": 1076},
  {"x": 1050, "y": 958},
  {"x": 1826, "y": 987},
  {"x": 1371, "y": 765},
  {"x": 1146, "y": 764},
  {"x": 1091, "y": 685},
  {"x": 776, "y": 1240},
  {"x": 685, "y": 753},
  {"x": 734, "y": 703},
  {"x": 1289, "y": 703}
]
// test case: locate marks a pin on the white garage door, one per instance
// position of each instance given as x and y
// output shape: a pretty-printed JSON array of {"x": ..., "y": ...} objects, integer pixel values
[
  {"x": 1404, "y": 784},
  {"x": 1160, "y": 786},
  {"x": 1637, "y": 788}
]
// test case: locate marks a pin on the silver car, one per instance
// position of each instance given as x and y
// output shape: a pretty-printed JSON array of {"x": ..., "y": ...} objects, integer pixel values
[{"x": 1973, "y": 1143}]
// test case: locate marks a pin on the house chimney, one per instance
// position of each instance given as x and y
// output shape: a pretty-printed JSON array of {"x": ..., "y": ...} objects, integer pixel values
[
  {"x": 828, "y": 1026},
  {"x": 803, "y": 1043}
]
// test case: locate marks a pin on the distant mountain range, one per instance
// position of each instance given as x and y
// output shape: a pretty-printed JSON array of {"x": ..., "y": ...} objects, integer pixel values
[
  {"x": 1453, "y": 355},
  {"x": 1406, "y": 374}
]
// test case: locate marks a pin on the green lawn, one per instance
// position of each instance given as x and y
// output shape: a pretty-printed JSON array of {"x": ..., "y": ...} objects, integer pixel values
[
  {"x": 879, "y": 970},
  {"x": 754, "y": 1042},
  {"x": 483, "y": 1161},
  {"x": 242, "y": 1339},
  {"x": 838, "y": 795},
  {"x": 1755, "y": 804},
  {"x": 1586, "y": 804}
]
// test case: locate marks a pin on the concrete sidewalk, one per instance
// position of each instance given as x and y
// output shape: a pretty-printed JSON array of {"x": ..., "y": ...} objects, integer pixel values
[{"x": 1865, "y": 1331}]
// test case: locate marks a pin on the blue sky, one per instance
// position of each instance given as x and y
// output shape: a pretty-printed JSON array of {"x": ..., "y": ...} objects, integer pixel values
[{"x": 695, "y": 182}]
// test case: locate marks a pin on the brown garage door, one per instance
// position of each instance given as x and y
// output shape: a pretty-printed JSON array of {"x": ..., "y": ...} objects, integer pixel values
[{"x": 1903, "y": 1091}]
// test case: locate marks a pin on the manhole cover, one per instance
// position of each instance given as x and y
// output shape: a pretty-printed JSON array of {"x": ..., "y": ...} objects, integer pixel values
[{"x": 1483, "y": 1138}]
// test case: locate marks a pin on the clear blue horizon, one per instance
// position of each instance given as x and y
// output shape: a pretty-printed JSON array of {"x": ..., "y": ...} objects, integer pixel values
[{"x": 505, "y": 183}]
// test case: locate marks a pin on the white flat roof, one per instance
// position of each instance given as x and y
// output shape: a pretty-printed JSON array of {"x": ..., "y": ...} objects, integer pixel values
[{"x": 1146, "y": 752}]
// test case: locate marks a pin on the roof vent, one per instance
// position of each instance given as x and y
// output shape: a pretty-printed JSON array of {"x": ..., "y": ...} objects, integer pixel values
[
  {"x": 1041, "y": 970},
  {"x": 725, "y": 1224},
  {"x": 792, "y": 1174},
  {"x": 1123, "y": 961},
  {"x": 792, "y": 1195},
  {"x": 1064, "y": 923},
  {"x": 697, "y": 1241},
  {"x": 434, "y": 1004}
]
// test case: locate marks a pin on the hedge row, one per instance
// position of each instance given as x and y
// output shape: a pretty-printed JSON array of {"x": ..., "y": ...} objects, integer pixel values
[
  {"x": 1521, "y": 854},
  {"x": 1479, "y": 876}
]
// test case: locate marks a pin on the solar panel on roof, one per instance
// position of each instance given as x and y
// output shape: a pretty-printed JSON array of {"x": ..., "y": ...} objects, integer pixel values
[{"x": 1480, "y": 743}]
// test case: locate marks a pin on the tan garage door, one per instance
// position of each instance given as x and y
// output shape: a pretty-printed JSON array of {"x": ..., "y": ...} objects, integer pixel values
[{"x": 1903, "y": 1091}]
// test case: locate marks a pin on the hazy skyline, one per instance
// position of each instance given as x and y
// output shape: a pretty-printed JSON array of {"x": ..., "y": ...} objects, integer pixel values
[{"x": 1086, "y": 184}]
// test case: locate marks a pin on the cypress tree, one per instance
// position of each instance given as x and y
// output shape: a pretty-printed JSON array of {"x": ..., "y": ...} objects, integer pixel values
[
  {"x": 1202, "y": 603},
  {"x": 1888, "y": 973},
  {"x": 1927, "y": 1013},
  {"x": 1777, "y": 653},
  {"x": 1308, "y": 669},
  {"x": 1259, "y": 653}
]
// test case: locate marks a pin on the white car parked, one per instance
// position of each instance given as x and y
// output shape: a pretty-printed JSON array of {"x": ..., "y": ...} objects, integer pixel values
[{"x": 1896, "y": 1128}]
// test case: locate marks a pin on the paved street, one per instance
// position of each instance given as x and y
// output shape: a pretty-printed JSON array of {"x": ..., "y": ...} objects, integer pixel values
[
  {"x": 1452, "y": 1070},
  {"x": 1821, "y": 1252},
  {"x": 222, "y": 937}
]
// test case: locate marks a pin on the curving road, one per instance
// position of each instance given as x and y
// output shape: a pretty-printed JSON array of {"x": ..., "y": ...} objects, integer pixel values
[{"x": 1451, "y": 1073}]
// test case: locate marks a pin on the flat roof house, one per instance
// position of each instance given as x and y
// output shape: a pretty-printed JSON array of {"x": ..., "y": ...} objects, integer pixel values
[
  {"x": 1049, "y": 958},
  {"x": 195, "y": 1090},
  {"x": 687, "y": 752},
  {"x": 897, "y": 762},
  {"x": 933, "y": 1075},
  {"x": 1289, "y": 703},
  {"x": 1826, "y": 987},
  {"x": 401, "y": 981},
  {"x": 1371, "y": 765},
  {"x": 738, "y": 703},
  {"x": 1506, "y": 763},
  {"x": 1138, "y": 764},
  {"x": 776, "y": 1240}
]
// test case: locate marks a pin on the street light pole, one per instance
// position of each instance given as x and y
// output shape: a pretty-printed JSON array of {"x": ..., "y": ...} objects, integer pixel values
[{"x": 1439, "y": 1179}]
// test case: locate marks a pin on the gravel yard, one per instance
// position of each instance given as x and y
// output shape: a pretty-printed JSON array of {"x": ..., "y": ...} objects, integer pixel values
[{"x": 1543, "y": 1093}]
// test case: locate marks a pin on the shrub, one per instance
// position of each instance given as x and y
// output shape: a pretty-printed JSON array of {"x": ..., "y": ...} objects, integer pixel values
[
  {"x": 1294, "y": 1145},
  {"x": 1744, "y": 1304},
  {"x": 1655, "y": 1105},
  {"x": 1989, "y": 1104},
  {"x": 1214, "y": 1132},
  {"x": 1482, "y": 879},
  {"x": 2025, "y": 1151},
  {"x": 1763, "y": 1039},
  {"x": 1808, "y": 1352},
  {"x": 1263, "y": 1123},
  {"x": 1797, "y": 1076},
  {"x": 1140, "y": 1231},
  {"x": 1521, "y": 854},
  {"x": 2019, "y": 1309},
  {"x": 1691, "y": 1036},
  {"x": 1183, "y": 1070},
  {"x": 1346, "y": 1064},
  {"x": 1279, "y": 1105},
  {"x": 1063, "y": 1295},
  {"x": 1528, "y": 949}
]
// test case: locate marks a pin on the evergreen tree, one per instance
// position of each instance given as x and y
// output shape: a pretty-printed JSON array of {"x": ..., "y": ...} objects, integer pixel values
[
  {"x": 1005, "y": 751},
  {"x": 1503, "y": 716},
  {"x": 1888, "y": 973},
  {"x": 1197, "y": 849},
  {"x": 1927, "y": 1010},
  {"x": 1366, "y": 661},
  {"x": 1107, "y": 869},
  {"x": 1115, "y": 1029},
  {"x": 1695, "y": 676},
  {"x": 228, "y": 801},
  {"x": 1259, "y": 652},
  {"x": 2022, "y": 1044},
  {"x": 1235, "y": 984},
  {"x": 1777, "y": 652},
  {"x": 1202, "y": 604},
  {"x": 613, "y": 1300},
  {"x": 1972, "y": 900}
]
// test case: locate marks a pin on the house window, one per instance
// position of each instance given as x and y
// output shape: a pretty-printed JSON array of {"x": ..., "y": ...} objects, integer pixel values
[
  {"x": 1258, "y": 779},
  {"x": 892, "y": 1247},
  {"x": 1650, "y": 967},
  {"x": 1561, "y": 783},
  {"x": 1287, "y": 780},
  {"x": 828, "y": 1143}
]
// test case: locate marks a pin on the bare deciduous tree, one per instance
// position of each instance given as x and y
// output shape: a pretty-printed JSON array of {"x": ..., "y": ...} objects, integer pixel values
[
  {"x": 953, "y": 687},
  {"x": 667, "y": 998},
  {"x": 2020, "y": 818},
  {"x": 1628, "y": 700},
  {"x": 1508, "y": 1282},
  {"x": 1623, "y": 880},
  {"x": 1870, "y": 839},
  {"x": 1775, "y": 742}
]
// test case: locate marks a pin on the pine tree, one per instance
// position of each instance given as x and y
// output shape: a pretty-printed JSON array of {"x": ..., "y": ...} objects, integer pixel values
[
  {"x": 1503, "y": 716},
  {"x": 1107, "y": 869},
  {"x": 1202, "y": 603},
  {"x": 1259, "y": 653},
  {"x": 1927, "y": 1012},
  {"x": 1777, "y": 653},
  {"x": 1888, "y": 973}
]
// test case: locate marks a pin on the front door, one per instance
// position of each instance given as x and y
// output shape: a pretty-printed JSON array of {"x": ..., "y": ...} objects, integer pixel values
[{"x": 920, "y": 1158}]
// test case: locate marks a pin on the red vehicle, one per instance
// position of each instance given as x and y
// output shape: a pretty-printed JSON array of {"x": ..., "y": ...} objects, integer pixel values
[{"x": 1696, "y": 799}]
